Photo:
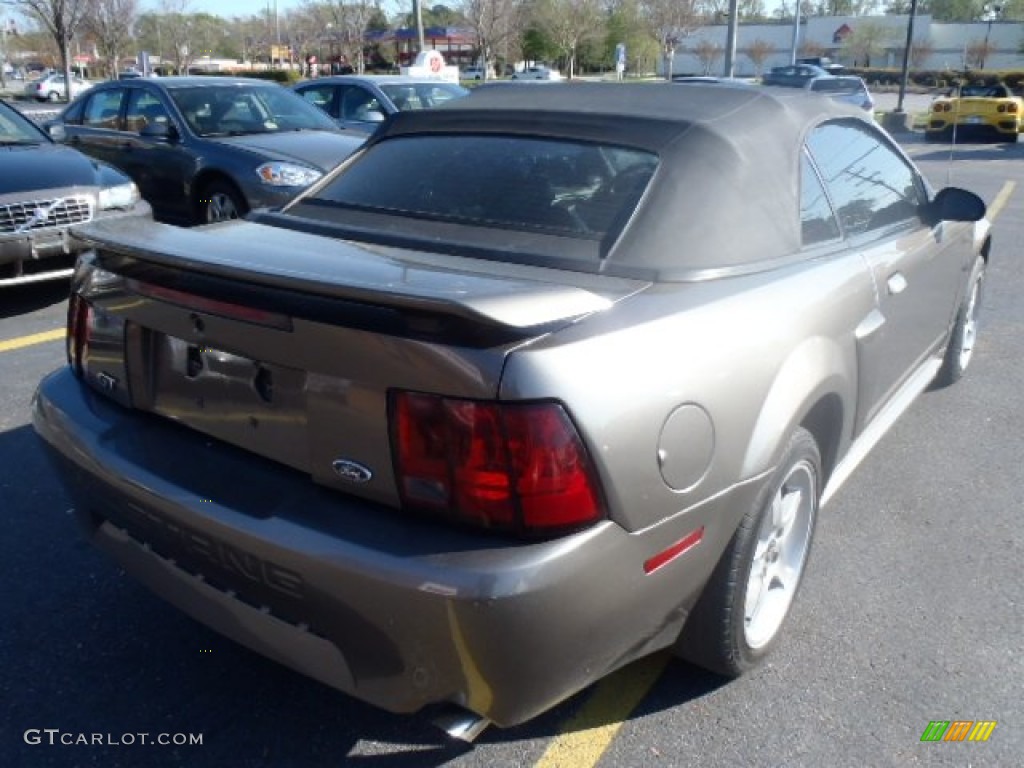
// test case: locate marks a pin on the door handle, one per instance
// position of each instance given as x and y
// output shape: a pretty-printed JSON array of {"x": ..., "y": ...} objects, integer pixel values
[{"x": 897, "y": 283}]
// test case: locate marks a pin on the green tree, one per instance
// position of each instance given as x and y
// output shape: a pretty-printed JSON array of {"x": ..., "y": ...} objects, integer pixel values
[
  {"x": 867, "y": 40},
  {"x": 954, "y": 10},
  {"x": 626, "y": 25},
  {"x": 569, "y": 24}
]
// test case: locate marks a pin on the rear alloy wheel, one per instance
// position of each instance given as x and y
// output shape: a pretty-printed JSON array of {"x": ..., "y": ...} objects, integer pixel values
[
  {"x": 53, "y": 96},
  {"x": 220, "y": 201},
  {"x": 739, "y": 616},
  {"x": 960, "y": 348}
]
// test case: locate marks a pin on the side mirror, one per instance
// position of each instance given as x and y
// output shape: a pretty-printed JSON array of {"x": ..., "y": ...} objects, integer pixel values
[
  {"x": 159, "y": 131},
  {"x": 56, "y": 131},
  {"x": 372, "y": 116},
  {"x": 955, "y": 204}
]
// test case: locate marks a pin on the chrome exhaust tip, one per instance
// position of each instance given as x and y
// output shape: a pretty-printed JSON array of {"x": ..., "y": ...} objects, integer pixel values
[{"x": 461, "y": 724}]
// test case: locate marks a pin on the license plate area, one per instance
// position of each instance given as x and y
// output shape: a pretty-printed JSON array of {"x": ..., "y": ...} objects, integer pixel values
[{"x": 254, "y": 404}]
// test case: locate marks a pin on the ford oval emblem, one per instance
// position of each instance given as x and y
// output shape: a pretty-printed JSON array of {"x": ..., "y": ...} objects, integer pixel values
[{"x": 351, "y": 471}]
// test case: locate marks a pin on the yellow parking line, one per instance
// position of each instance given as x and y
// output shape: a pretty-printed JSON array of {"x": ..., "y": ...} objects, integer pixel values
[
  {"x": 584, "y": 737},
  {"x": 28, "y": 341},
  {"x": 1001, "y": 199}
]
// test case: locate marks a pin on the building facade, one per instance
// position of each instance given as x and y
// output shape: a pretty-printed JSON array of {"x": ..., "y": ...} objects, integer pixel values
[{"x": 876, "y": 41}]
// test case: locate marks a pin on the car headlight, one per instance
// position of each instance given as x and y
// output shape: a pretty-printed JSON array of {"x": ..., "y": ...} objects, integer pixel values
[
  {"x": 278, "y": 174},
  {"x": 121, "y": 196}
]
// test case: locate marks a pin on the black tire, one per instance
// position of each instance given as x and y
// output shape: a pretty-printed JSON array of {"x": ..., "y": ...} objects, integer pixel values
[
  {"x": 726, "y": 632},
  {"x": 220, "y": 200},
  {"x": 960, "y": 348}
]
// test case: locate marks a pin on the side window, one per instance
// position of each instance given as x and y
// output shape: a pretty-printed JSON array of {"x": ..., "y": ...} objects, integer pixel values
[
  {"x": 103, "y": 109},
  {"x": 73, "y": 114},
  {"x": 817, "y": 221},
  {"x": 870, "y": 185},
  {"x": 143, "y": 109},
  {"x": 319, "y": 95},
  {"x": 357, "y": 103}
]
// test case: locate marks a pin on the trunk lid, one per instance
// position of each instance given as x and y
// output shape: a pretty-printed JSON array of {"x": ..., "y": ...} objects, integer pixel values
[{"x": 287, "y": 344}]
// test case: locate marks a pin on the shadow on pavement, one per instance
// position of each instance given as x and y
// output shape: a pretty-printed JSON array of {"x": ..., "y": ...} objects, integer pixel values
[{"x": 19, "y": 300}]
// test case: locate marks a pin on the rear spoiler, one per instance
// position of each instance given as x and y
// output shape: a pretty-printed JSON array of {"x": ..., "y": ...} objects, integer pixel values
[{"x": 509, "y": 296}]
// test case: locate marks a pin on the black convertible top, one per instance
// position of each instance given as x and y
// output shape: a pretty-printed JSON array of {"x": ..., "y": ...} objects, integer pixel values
[{"x": 729, "y": 159}]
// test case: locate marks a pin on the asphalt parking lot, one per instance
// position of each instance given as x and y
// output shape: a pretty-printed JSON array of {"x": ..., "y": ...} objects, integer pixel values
[{"x": 912, "y": 610}]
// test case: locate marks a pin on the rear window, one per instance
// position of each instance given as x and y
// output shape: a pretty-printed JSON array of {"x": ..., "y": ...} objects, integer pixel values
[
  {"x": 567, "y": 188},
  {"x": 985, "y": 91}
]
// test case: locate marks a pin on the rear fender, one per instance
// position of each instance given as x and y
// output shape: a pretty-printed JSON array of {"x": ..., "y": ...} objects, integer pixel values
[{"x": 815, "y": 370}]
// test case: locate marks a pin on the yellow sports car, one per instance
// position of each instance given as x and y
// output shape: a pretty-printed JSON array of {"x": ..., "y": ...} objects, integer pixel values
[{"x": 978, "y": 109}]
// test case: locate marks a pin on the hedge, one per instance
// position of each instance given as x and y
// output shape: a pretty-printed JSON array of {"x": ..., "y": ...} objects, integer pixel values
[
  {"x": 939, "y": 78},
  {"x": 282, "y": 76}
]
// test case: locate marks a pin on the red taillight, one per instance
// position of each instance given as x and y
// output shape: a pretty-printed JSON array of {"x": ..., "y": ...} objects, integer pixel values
[
  {"x": 79, "y": 328},
  {"x": 1011, "y": 107},
  {"x": 516, "y": 467}
]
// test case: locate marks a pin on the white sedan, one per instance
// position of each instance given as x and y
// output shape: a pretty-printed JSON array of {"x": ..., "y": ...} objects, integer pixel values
[
  {"x": 51, "y": 88},
  {"x": 537, "y": 73}
]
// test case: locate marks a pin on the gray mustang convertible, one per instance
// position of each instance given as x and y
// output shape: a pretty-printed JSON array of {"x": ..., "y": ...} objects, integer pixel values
[{"x": 534, "y": 384}]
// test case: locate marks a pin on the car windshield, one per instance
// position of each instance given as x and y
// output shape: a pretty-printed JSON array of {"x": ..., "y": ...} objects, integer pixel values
[
  {"x": 559, "y": 187},
  {"x": 408, "y": 96},
  {"x": 837, "y": 85},
  {"x": 234, "y": 110},
  {"x": 15, "y": 129}
]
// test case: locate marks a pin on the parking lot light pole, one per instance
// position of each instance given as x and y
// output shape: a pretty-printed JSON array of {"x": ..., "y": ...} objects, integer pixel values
[
  {"x": 796, "y": 33},
  {"x": 905, "y": 73},
  {"x": 730, "y": 39}
]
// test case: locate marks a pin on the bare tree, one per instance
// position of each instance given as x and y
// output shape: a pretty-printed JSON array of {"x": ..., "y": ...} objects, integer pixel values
[
  {"x": 811, "y": 49},
  {"x": 707, "y": 54},
  {"x": 347, "y": 23},
  {"x": 110, "y": 23},
  {"x": 670, "y": 22},
  {"x": 978, "y": 51},
  {"x": 175, "y": 31},
  {"x": 495, "y": 23},
  {"x": 61, "y": 18},
  {"x": 758, "y": 51},
  {"x": 920, "y": 52},
  {"x": 569, "y": 23}
]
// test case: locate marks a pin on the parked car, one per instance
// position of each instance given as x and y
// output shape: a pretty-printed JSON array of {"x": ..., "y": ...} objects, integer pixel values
[
  {"x": 44, "y": 189},
  {"x": 52, "y": 87},
  {"x": 824, "y": 62},
  {"x": 477, "y": 73},
  {"x": 505, "y": 403},
  {"x": 204, "y": 149},
  {"x": 537, "y": 73},
  {"x": 362, "y": 102},
  {"x": 847, "y": 88},
  {"x": 793, "y": 75},
  {"x": 989, "y": 111}
]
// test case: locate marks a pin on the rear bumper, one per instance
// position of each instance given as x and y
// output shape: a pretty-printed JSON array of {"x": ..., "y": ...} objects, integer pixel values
[
  {"x": 968, "y": 124},
  {"x": 395, "y": 611}
]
